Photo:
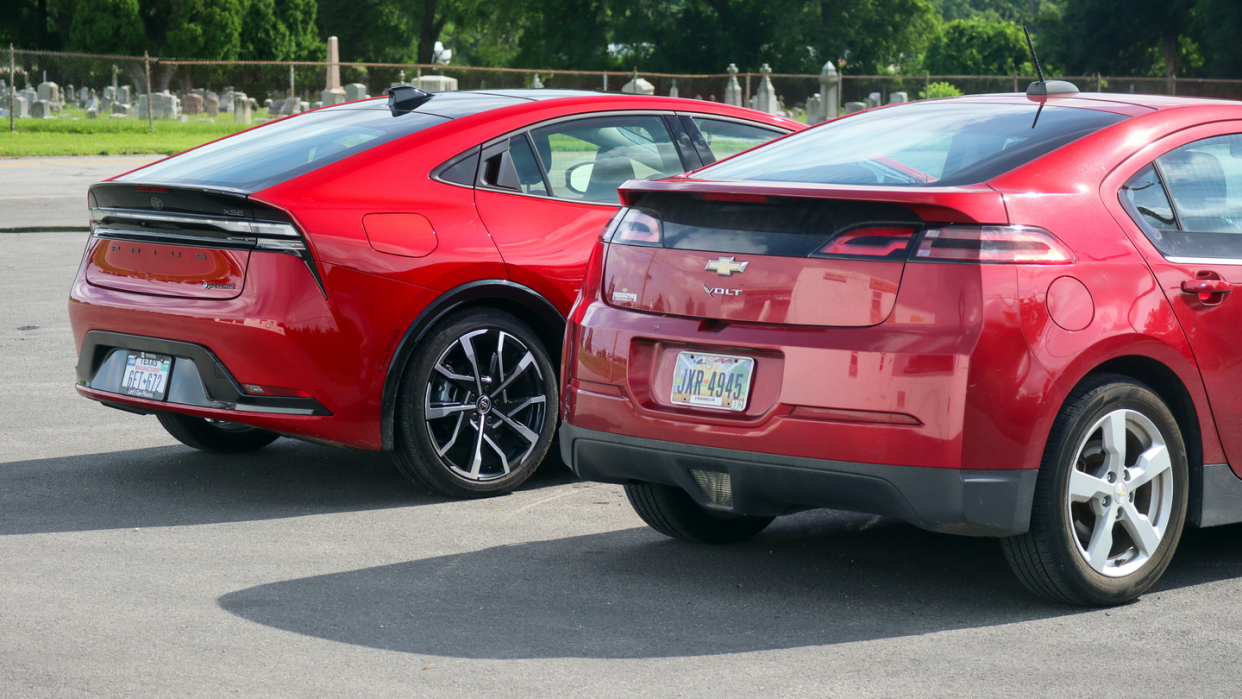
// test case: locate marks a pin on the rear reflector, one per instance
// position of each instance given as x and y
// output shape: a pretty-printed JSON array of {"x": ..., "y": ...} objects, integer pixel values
[
  {"x": 993, "y": 244},
  {"x": 638, "y": 228},
  {"x": 870, "y": 241}
]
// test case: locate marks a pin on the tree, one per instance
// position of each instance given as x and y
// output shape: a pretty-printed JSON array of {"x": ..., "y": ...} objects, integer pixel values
[
  {"x": 280, "y": 31},
  {"x": 107, "y": 26},
  {"x": 1223, "y": 22},
  {"x": 1126, "y": 37},
  {"x": 977, "y": 47}
]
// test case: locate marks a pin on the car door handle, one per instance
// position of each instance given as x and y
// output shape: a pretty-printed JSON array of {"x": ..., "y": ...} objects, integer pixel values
[{"x": 1206, "y": 286}]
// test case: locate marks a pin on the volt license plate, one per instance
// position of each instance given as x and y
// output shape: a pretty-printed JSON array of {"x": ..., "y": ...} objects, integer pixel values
[
  {"x": 712, "y": 380},
  {"x": 146, "y": 375}
]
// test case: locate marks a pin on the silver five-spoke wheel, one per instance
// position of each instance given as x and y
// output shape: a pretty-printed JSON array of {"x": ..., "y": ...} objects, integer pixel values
[
  {"x": 1110, "y": 498},
  {"x": 1120, "y": 493}
]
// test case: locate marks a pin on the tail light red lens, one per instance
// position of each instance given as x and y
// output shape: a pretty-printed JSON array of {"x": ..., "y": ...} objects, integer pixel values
[
  {"x": 1026, "y": 245},
  {"x": 638, "y": 228},
  {"x": 872, "y": 241}
]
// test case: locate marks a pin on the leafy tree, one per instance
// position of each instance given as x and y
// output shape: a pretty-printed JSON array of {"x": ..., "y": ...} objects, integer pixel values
[
  {"x": 107, "y": 26},
  {"x": 1223, "y": 22},
  {"x": 978, "y": 47},
  {"x": 938, "y": 90},
  {"x": 209, "y": 29},
  {"x": 280, "y": 31},
  {"x": 1126, "y": 37}
]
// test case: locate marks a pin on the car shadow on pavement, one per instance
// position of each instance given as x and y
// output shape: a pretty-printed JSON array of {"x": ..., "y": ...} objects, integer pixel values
[
  {"x": 812, "y": 579},
  {"x": 173, "y": 486}
]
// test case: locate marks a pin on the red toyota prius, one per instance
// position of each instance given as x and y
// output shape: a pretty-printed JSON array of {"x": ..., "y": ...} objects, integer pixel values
[
  {"x": 999, "y": 315},
  {"x": 385, "y": 274}
]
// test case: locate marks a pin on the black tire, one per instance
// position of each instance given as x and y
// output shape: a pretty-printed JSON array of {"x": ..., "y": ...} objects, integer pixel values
[
  {"x": 1051, "y": 558},
  {"x": 215, "y": 436},
  {"x": 672, "y": 512},
  {"x": 426, "y": 448}
]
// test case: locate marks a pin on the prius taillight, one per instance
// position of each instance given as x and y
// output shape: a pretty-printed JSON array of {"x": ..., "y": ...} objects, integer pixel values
[{"x": 993, "y": 244}]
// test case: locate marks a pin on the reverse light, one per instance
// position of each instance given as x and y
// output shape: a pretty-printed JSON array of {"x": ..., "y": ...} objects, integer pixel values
[
  {"x": 871, "y": 241},
  {"x": 1025, "y": 245},
  {"x": 638, "y": 228}
]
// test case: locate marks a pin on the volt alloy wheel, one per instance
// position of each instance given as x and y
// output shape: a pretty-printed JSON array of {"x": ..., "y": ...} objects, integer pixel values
[
  {"x": 478, "y": 407},
  {"x": 1110, "y": 502}
]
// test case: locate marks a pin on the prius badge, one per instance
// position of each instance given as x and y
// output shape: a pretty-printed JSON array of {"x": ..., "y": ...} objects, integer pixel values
[{"x": 726, "y": 266}]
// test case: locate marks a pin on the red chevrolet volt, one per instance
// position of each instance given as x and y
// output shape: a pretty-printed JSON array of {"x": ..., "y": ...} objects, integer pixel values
[
  {"x": 384, "y": 275},
  {"x": 1000, "y": 315}
]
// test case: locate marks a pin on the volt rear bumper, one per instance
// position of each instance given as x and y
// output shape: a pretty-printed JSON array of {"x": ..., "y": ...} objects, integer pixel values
[{"x": 954, "y": 501}]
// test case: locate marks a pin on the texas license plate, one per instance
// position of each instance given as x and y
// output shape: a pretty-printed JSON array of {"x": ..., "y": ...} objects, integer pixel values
[
  {"x": 712, "y": 380},
  {"x": 146, "y": 375}
]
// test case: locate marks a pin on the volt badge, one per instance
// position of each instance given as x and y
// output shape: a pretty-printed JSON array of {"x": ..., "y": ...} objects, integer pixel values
[{"x": 726, "y": 266}]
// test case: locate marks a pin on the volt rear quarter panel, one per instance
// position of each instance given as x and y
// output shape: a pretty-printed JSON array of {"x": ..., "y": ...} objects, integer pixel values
[{"x": 1073, "y": 193}]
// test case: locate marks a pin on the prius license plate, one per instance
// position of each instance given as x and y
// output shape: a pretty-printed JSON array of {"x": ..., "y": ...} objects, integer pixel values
[
  {"x": 712, "y": 380},
  {"x": 146, "y": 375}
]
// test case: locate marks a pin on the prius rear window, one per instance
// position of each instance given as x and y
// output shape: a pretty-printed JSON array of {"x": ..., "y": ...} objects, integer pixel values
[
  {"x": 271, "y": 154},
  {"x": 916, "y": 145}
]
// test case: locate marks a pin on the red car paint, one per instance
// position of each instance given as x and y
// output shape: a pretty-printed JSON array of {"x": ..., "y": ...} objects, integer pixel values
[
  {"x": 950, "y": 366},
  {"x": 335, "y": 339}
]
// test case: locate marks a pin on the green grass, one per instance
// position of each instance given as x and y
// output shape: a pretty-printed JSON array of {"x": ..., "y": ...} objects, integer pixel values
[{"x": 81, "y": 136}]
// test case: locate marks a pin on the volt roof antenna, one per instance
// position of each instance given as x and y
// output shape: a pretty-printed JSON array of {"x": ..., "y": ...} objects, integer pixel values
[
  {"x": 403, "y": 99},
  {"x": 1042, "y": 89}
]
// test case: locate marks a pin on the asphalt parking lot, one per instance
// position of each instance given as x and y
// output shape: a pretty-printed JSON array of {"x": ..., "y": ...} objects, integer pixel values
[{"x": 131, "y": 566}]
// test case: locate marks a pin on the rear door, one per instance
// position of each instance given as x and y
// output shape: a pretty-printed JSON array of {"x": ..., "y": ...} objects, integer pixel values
[
  {"x": 1183, "y": 209},
  {"x": 546, "y": 194}
]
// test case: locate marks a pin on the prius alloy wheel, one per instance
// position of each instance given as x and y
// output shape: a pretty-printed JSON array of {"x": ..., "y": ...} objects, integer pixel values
[
  {"x": 1110, "y": 502},
  {"x": 478, "y": 406}
]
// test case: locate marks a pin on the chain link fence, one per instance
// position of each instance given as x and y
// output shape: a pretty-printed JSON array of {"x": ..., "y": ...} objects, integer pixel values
[{"x": 96, "y": 86}]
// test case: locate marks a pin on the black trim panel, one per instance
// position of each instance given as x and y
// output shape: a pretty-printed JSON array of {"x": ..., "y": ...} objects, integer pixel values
[
  {"x": 973, "y": 503},
  {"x": 1220, "y": 500},
  {"x": 217, "y": 381}
]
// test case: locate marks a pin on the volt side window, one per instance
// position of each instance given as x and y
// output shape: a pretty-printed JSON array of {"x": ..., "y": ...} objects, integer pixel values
[
  {"x": 1188, "y": 202},
  {"x": 588, "y": 159},
  {"x": 725, "y": 138}
]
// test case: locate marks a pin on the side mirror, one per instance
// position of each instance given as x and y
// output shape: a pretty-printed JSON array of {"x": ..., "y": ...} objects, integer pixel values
[{"x": 578, "y": 177}]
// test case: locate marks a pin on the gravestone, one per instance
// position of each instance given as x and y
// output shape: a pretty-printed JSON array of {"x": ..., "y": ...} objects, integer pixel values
[
  {"x": 638, "y": 87},
  {"x": 226, "y": 100},
  {"x": 241, "y": 108},
  {"x": 126, "y": 94},
  {"x": 316, "y": 105},
  {"x": 84, "y": 95},
  {"x": 828, "y": 105},
  {"x": 437, "y": 83},
  {"x": 764, "y": 99},
  {"x": 211, "y": 105},
  {"x": 71, "y": 95},
  {"x": 873, "y": 100},
  {"x": 672, "y": 91},
  {"x": 303, "y": 106},
  {"x": 30, "y": 95},
  {"x": 355, "y": 91},
  {"x": 733, "y": 91},
  {"x": 120, "y": 109},
  {"x": 898, "y": 98},
  {"x": 536, "y": 83},
  {"x": 49, "y": 92},
  {"x": 163, "y": 105},
  {"x": 92, "y": 113},
  {"x": 92, "y": 103},
  {"x": 332, "y": 96},
  {"x": 267, "y": 104},
  {"x": 21, "y": 106},
  {"x": 41, "y": 109},
  {"x": 851, "y": 107},
  {"x": 192, "y": 104}
]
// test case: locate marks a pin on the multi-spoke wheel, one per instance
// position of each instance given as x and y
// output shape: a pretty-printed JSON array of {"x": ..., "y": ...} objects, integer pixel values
[
  {"x": 478, "y": 406},
  {"x": 215, "y": 435},
  {"x": 1111, "y": 497}
]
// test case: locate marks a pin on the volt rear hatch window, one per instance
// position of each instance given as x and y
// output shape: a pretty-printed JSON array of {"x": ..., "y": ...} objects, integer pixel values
[
  {"x": 916, "y": 145},
  {"x": 271, "y": 154}
]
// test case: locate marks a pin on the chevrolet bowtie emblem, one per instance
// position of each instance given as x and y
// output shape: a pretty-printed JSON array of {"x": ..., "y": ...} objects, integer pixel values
[{"x": 726, "y": 266}]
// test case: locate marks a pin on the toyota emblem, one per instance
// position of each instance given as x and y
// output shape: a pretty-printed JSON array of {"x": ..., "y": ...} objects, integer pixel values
[{"x": 157, "y": 203}]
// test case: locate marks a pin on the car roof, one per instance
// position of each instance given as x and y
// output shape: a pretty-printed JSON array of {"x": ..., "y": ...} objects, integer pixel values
[
  {"x": 462, "y": 103},
  {"x": 1131, "y": 104}
]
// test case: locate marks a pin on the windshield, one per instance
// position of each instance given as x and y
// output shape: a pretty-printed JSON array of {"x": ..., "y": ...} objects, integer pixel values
[
  {"x": 262, "y": 157},
  {"x": 916, "y": 145}
]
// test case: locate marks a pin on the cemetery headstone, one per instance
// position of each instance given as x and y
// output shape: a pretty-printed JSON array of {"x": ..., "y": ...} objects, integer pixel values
[
  {"x": 898, "y": 98},
  {"x": 120, "y": 108},
  {"x": 211, "y": 105},
  {"x": 49, "y": 92},
  {"x": 638, "y": 87},
  {"x": 192, "y": 104},
  {"x": 765, "y": 97},
  {"x": 332, "y": 96},
  {"x": 851, "y": 107},
  {"x": 828, "y": 106},
  {"x": 873, "y": 100},
  {"x": 355, "y": 91},
  {"x": 733, "y": 91},
  {"x": 92, "y": 113},
  {"x": 241, "y": 109},
  {"x": 41, "y": 109},
  {"x": 436, "y": 83}
]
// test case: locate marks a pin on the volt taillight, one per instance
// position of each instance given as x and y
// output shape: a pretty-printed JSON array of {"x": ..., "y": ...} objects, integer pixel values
[
  {"x": 637, "y": 228},
  {"x": 1026, "y": 245},
  {"x": 871, "y": 241}
]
